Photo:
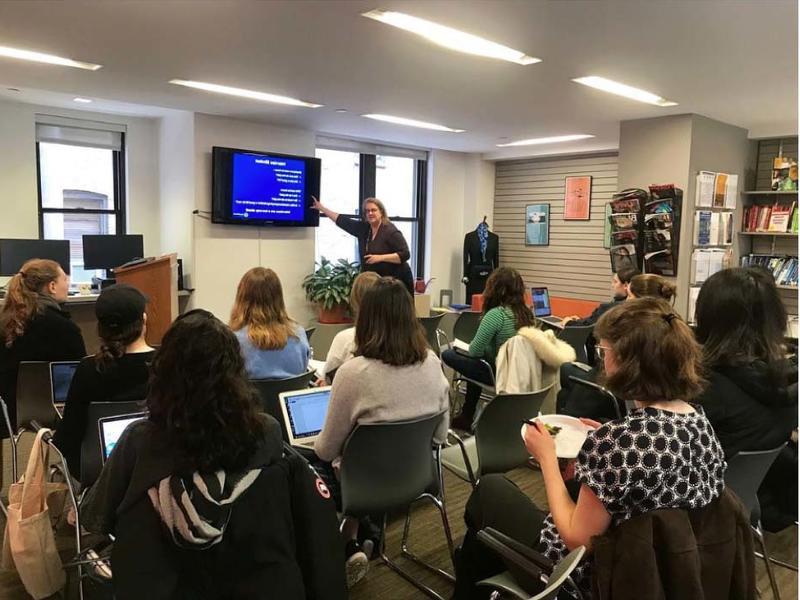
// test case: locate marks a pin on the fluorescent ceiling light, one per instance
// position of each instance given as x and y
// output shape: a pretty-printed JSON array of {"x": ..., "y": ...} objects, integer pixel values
[
  {"x": 242, "y": 93},
  {"x": 82, "y": 100},
  {"x": 451, "y": 38},
  {"x": 620, "y": 89},
  {"x": 412, "y": 123},
  {"x": 547, "y": 140},
  {"x": 46, "y": 58}
]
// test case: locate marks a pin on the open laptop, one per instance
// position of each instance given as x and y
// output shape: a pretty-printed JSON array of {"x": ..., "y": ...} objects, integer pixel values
[
  {"x": 304, "y": 413},
  {"x": 60, "y": 379},
  {"x": 541, "y": 307},
  {"x": 111, "y": 429}
]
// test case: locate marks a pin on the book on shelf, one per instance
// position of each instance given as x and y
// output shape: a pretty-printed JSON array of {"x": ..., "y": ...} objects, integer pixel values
[
  {"x": 794, "y": 220},
  {"x": 780, "y": 217},
  {"x": 783, "y": 268},
  {"x": 713, "y": 228}
]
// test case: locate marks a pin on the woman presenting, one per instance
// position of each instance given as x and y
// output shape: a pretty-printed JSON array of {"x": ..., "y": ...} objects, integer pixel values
[{"x": 381, "y": 246}]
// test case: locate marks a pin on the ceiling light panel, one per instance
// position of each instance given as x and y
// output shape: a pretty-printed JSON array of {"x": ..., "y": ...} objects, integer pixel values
[
  {"x": 412, "y": 123},
  {"x": 243, "y": 93},
  {"x": 626, "y": 91},
  {"x": 49, "y": 59},
  {"x": 558, "y": 139}
]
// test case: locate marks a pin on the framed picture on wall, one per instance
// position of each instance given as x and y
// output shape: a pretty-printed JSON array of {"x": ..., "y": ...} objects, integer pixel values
[
  {"x": 537, "y": 225},
  {"x": 577, "y": 198}
]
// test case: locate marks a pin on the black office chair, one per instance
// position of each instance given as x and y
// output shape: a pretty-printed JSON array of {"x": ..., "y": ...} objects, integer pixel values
[
  {"x": 387, "y": 466},
  {"x": 34, "y": 403},
  {"x": 526, "y": 567},
  {"x": 268, "y": 390},
  {"x": 433, "y": 334},
  {"x": 577, "y": 337},
  {"x": 91, "y": 453},
  {"x": 496, "y": 446},
  {"x": 618, "y": 408},
  {"x": 466, "y": 325},
  {"x": 746, "y": 471}
]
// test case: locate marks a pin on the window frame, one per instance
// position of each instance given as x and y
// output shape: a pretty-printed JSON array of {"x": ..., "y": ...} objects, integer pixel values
[
  {"x": 366, "y": 189},
  {"x": 120, "y": 199}
]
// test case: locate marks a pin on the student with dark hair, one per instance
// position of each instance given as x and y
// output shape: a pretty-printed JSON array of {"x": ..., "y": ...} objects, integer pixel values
[
  {"x": 741, "y": 322},
  {"x": 647, "y": 285},
  {"x": 199, "y": 498},
  {"x": 504, "y": 313},
  {"x": 33, "y": 326},
  {"x": 117, "y": 373},
  {"x": 273, "y": 345},
  {"x": 619, "y": 289},
  {"x": 663, "y": 454},
  {"x": 394, "y": 376}
]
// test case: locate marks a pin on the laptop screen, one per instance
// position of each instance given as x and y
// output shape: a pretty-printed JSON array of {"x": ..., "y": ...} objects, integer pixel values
[
  {"x": 541, "y": 302},
  {"x": 306, "y": 411},
  {"x": 60, "y": 378},
  {"x": 111, "y": 429}
]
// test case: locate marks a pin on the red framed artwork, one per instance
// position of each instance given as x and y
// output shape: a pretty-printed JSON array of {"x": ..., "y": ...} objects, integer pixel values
[{"x": 577, "y": 198}]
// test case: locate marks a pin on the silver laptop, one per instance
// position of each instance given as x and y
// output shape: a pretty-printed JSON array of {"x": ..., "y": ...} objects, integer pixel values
[
  {"x": 541, "y": 307},
  {"x": 304, "y": 413},
  {"x": 111, "y": 429},
  {"x": 61, "y": 374}
]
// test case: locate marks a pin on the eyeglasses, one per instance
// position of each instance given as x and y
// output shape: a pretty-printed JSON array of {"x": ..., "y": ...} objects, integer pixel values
[{"x": 600, "y": 352}]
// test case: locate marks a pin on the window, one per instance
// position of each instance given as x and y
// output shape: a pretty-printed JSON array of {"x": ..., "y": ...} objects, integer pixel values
[
  {"x": 81, "y": 187},
  {"x": 349, "y": 176}
]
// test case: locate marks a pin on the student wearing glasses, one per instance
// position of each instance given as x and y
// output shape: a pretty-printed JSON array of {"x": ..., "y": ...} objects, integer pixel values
[{"x": 381, "y": 246}]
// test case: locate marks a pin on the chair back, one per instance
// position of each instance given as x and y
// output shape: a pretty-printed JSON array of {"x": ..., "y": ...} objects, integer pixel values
[
  {"x": 309, "y": 332},
  {"x": 466, "y": 325},
  {"x": 268, "y": 390},
  {"x": 431, "y": 326},
  {"x": 386, "y": 466},
  {"x": 561, "y": 572},
  {"x": 499, "y": 445},
  {"x": 746, "y": 470},
  {"x": 91, "y": 456},
  {"x": 577, "y": 338},
  {"x": 613, "y": 402},
  {"x": 35, "y": 396}
]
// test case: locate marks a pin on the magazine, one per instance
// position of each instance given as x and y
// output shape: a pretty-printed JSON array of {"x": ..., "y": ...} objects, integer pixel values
[
  {"x": 623, "y": 255},
  {"x": 623, "y": 221},
  {"x": 661, "y": 262}
]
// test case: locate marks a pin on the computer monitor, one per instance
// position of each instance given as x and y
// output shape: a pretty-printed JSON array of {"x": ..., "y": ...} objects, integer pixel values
[
  {"x": 111, "y": 429},
  {"x": 541, "y": 302},
  {"x": 304, "y": 413},
  {"x": 15, "y": 252},
  {"x": 60, "y": 379},
  {"x": 111, "y": 251}
]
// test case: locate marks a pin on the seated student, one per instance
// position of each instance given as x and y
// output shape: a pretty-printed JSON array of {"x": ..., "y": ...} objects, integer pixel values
[
  {"x": 740, "y": 323},
  {"x": 344, "y": 343},
  {"x": 648, "y": 285},
  {"x": 198, "y": 496},
  {"x": 118, "y": 372},
  {"x": 273, "y": 345},
  {"x": 619, "y": 290},
  {"x": 504, "y": 313},
  {"x": 33, "y": 326},
  {"x": 394, "y": 376},
  {"x": 664, "y": 454}
]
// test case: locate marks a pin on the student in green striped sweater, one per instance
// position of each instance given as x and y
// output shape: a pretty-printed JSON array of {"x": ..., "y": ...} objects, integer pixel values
[{"x": 504, "y": 312}]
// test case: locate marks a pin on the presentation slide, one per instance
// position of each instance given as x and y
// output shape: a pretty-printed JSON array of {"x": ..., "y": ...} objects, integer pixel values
[{"x": 268, "y": 188}]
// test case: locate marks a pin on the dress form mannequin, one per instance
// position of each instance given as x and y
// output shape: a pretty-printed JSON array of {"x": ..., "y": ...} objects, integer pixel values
[{"x": 481, "y": 257}]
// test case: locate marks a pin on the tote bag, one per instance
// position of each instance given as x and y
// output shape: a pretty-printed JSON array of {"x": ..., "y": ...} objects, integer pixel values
[{"x": 29, "y": 544}]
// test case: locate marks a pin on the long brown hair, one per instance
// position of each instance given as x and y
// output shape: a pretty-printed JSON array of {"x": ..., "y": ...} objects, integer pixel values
[
  {"x": 652, "y": 286},
  {"x": 259, "y": 306},
  {"x": 506, "y": 288},
  {"x": 361, "y": 284},
  {"x": 657, "y": 355},
  {"x": 381, "y": 208},
  {"x": 114, "y": 341},
  {"x": 21, "y": 303},
  {"x": 387, "y": 328}
]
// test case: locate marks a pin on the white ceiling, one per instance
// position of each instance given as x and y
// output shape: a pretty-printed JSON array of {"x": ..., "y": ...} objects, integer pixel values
[{"x": 735, "y": 61}]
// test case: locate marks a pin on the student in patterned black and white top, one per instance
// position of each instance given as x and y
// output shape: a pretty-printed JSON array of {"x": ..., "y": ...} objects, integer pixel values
[{"x": 664, "y": 454}]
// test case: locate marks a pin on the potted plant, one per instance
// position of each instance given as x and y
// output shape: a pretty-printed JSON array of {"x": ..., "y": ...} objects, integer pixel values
[{"x": 329, "y": 287}]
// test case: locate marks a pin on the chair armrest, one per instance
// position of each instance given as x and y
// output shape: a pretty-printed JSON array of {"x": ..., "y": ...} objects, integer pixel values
[
  {"x": 440, "y": 333},
  {"x": 467, "y": 464},
  {"x": 489, "y": 370},
  {"x": 510, "y": 545}
]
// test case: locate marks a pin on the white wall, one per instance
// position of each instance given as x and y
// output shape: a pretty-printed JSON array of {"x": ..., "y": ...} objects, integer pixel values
[
  {"x": 222, "y": 253},
  {"x": 18, "y": 186}
]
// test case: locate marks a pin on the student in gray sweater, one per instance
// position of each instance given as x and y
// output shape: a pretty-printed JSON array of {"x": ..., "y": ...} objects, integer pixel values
[{"x": 393, "y": 376}]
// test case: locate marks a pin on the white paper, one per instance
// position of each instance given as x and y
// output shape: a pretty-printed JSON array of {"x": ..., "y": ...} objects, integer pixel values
[
  {"x": 318, "y": 366},
  {"x": 700, "y": 264},
  {"x": 704, "y": 192},
  {"x": 731, "y": 191},
  {"x": 693, "y": 293},
  {"x": 461, "y": 345}
]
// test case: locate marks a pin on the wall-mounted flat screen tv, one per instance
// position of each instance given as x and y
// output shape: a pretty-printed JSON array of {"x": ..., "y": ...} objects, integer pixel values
[{"x": 263, "y": 188}]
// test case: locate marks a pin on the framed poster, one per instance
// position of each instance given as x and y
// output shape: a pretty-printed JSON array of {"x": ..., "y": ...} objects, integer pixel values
[
  {"x": 577, "y": 198},
  {"x": 537, "y": 225}
]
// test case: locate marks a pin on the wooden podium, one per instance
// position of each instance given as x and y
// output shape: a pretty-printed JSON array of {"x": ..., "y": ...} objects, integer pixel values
[{"x": 158, "y": 280}]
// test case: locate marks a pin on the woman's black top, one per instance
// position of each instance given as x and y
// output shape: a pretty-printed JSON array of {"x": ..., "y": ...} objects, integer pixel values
[
  {"x": 125, "y": 379},
  {"x": 50, "y": 336},
  {"x": 388, "y": 240}
]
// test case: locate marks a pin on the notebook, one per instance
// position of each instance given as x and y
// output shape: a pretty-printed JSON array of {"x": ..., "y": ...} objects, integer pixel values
[
  {"x": 111, "y": 429},
  {"x": 60, "y": 379},
  {"x": 304, "y": 413},
  {"x": 541, "y": 306}
]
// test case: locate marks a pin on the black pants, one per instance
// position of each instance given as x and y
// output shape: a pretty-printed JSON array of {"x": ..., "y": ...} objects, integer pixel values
[
  {"x": 496, "y": 502},
  {"x": 474, "y": 369}
]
